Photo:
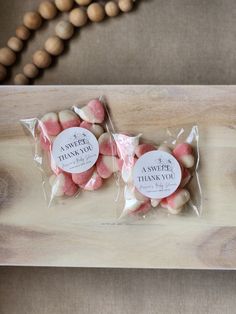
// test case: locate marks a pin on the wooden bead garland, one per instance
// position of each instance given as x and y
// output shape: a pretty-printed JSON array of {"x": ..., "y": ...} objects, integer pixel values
[
  {"x": 47, "y": 10},
  {"x": 96, "y": 12},
  {"x": 54, "y": 45},
  {"x": 64, "y": 30},
  {"x": 22, "y": 32},
  {"x": 30, "y": 70},
  {"x": 83, "y": 2},
  {"x": 32, "y": 20},
  {"x": 7, "y": 56},
  {"x": 78, "y": 17},
  {"x": 21, "y": 79},
  {"x": 112, "y": 9},
  {"x": 3, "y": 73},
  {"x": 15, "y": 44},
  {"x": 126, "y": 5},
  {"x": 64, "y": 5},
  {"x": 42, "y": 59}
]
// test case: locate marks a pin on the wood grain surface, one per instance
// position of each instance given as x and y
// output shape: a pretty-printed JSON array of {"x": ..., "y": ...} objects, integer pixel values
[{"x": 83, "y": 231}]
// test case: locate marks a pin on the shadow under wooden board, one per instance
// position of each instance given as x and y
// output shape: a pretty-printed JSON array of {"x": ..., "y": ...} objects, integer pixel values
[{"x": 83, "y": 232}]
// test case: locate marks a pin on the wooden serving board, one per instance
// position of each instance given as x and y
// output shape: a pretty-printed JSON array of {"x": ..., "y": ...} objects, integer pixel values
[{"x": 83, "y": 232}]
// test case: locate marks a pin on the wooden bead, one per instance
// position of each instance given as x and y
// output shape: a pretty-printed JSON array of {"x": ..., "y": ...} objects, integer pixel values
[
  {"x": 7, "y": 56},
  {"x": 126, "y": 5},
  {"x": 64, "y": 5},
  {"x": 83, "y": 2},
  {"x": 22, "y": 32},
  {"x": 96, "y": 12},
  {"x": 64, "y": 30},
  {"x": 42, "y": 59},
  {"x": 78, "y": 17},
  {"x": 47, "y": 10},
  {"x": 32, "y": 20},
  {"x": 21, "y": 79},
  {"x": 112, "y": 9},
  {"x": 3, "y": 73},
  {"x": 15, "y": 44},
  {"x": 54, "y": 45},
  {"x": 30, "y": 71}
]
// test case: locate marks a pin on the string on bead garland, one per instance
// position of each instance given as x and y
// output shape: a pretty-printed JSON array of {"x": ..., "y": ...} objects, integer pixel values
[{"x": 88, "y": 10}]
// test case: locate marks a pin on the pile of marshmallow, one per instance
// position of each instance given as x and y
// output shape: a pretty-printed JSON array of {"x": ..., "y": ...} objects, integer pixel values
[
  {"x": 117, "y": 153},
  {"x": 91, "y": 117},
  {"x": 135, "y": 202}
]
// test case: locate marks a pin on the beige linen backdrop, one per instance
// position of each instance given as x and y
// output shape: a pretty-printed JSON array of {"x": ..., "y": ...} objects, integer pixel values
[{"x": 161, "y": 42}]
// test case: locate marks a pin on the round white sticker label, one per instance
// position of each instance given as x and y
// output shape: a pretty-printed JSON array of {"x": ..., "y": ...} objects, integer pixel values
[
  {"x": 157, "y": 174},
  {"x": 75, "y": 150}
]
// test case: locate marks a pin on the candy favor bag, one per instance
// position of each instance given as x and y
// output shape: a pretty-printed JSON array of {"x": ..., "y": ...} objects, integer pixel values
[
  {"x": 74, "y": 149},
  {"x": 160, "y": 176}
]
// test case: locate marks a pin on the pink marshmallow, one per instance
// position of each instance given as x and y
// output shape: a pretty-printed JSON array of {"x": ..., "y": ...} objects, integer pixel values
[
  {"x": 143, "y": 149},
  {"x": 182, "y": 149},
  {"x": 97, "y": 108},
  {"x": 94, "y": 112},
  {"x": 135, "y": 202},
  {"x": 155, "y": 202},
  {"x": 96, "y": 129},
  {"x": 184, "y": 153},
  {"x": 165, "y": 148},
  {"x": 86, "y": 125},
  {"x": 62, "y": 184},
  {"x": 69, "y": 188},
  {"x": 178, "y": 199},
  {"x": 107, "y": 165},
  {"x": 107, "y": 146},
  {"x": 164, "y": 203},
  {"x": 84, "y": 177},
  {"x": 68, "y": 119},
  {"x": 45, "y": 141},
  {"x": 94, "y": 183},
  {"x": 186, "y": 176},
  {"x": 173, "y": 211},
  {"x": 53, "y": 165},
  {"x": 143, "y": 208},
  {"x": 49, "y": 124},
  {"x": 134, "y": 206}
]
